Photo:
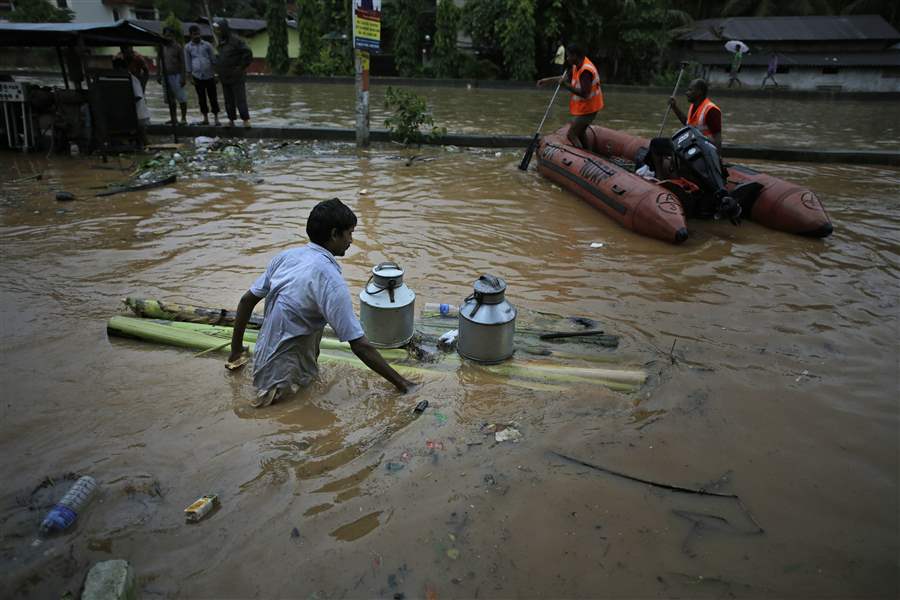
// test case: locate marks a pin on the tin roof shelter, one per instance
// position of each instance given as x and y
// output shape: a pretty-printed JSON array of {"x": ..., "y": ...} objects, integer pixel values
[
  {"x": 108, "y": 95},
  {"x": 52, "y": 35}
]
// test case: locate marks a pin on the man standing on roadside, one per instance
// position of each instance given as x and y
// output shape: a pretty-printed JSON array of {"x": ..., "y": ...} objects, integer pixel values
[
  {"x": 234, "y": 58},
  {"x": 304, "y": 290},
  {"x": 172, "y": 61},
  {"x": 583, "y": 81},
  {"x": 200, "y": 59},
  {"x": 702, "y": 113}
]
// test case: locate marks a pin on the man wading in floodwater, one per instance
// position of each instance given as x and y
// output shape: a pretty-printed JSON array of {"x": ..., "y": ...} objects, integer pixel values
[{"x": 304, "y": 290}]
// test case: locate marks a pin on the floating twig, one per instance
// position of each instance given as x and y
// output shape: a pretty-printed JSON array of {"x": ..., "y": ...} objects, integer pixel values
[
  {"x": 556, "y": 335},
  {"x": 665, "y": 486},
  {"x": 142, "y": 186}
]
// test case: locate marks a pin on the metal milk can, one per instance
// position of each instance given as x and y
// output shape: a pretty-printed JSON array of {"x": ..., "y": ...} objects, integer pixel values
[
  {"x": 387, "y": 307},
  {"x": 487, "y": 322}
]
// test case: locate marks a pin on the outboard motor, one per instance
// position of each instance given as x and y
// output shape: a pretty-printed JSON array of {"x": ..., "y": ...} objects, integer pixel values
[{"x": 699, "y": 161}]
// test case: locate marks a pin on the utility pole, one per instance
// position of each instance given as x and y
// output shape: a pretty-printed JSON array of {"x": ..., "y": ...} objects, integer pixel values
[
  {"x": 366, "y": 38},
  {"x": 361, "y": 64}
]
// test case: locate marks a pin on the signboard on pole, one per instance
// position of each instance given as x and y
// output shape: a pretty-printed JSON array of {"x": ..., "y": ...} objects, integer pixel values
[{"x": 367, "y": 25}]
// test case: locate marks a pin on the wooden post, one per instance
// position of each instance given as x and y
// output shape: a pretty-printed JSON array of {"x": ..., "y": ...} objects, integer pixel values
[
  {"x": 361, "y": 62},
  {"x": 62, "y": 64}
]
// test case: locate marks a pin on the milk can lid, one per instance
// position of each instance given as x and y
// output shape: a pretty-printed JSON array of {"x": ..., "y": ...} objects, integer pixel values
[
  {"x": 489, "y": 284},
  {"x": 388, "y": 270}
]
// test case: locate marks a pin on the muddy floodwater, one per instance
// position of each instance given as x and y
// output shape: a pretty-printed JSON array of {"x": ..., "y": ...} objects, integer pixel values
[{"x": 772, "y": 365}]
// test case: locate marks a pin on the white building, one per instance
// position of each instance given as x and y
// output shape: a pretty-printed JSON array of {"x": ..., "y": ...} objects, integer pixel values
[{"x": 98, "y": 11}]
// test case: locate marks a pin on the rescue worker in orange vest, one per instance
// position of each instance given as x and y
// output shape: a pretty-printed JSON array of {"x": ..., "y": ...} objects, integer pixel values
[
  {"x": 702, "y": 113},
  {"x": 583, "y": 80}
]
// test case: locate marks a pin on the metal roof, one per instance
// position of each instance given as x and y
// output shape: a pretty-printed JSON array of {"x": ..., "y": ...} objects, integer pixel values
[
  {"x": 38, "y": 35},
  {"x": 157, "y": 27},
  {"x": 888, "y": 58},
  {"x": 770, "y": 29},
  {"x": 242, "y": 26}
]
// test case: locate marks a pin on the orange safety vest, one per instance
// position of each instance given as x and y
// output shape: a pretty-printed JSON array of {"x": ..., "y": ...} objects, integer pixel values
[
  {"x": 696, "y": 116},
  {"x": 594, "y": 100}
]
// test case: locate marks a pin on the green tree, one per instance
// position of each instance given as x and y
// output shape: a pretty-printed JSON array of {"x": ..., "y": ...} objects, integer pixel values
[
  {"x": 517, "y": 39},
  {"x": 403, "y": 18},
  {"x": 276, "y": 24},
  {"x": 39, "y": 11},
  {"x": 309, "y": 31},
  {"x": 446, "y": 54},
  {"x": 180, "y": 9},
  {"x": 174, "y": 24},
  {"x": 509, "y": 22}
]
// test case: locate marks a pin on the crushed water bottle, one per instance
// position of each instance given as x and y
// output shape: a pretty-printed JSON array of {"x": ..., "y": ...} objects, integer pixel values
[{"x": 66, "y": 510}]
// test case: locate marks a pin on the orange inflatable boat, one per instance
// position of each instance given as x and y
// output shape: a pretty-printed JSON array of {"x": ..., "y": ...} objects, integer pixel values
[{"x": 657, "y": 208}]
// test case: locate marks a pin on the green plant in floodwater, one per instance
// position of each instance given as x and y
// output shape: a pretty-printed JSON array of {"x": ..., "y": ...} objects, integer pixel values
[{"x": 410, "y": 114}]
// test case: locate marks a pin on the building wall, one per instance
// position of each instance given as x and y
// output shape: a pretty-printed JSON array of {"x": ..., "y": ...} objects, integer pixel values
[
  {"x": 95, "y": 11},
  {"x": 259, "y": 43},
  {"x": 847, "y": 79}
]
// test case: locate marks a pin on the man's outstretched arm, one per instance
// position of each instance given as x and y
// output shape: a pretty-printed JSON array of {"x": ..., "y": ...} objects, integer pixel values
[{"x": 366, "y": 352}]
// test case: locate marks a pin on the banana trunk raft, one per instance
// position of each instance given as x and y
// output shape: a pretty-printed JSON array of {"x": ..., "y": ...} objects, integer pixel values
[{"x": 582, "y": 356}]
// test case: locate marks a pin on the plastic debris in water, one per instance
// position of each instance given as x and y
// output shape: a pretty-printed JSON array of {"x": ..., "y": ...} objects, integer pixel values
[
  {"x": 395, "y": 466},
  {"x": 440, "y": 417},
  {"x": 596, "y": 244},
  {"x": 202, "y": 507},
  {"x": 453, "y": 553}
]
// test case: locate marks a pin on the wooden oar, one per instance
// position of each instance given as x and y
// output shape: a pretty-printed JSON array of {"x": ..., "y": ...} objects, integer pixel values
[{"x": 531, "y": 146}]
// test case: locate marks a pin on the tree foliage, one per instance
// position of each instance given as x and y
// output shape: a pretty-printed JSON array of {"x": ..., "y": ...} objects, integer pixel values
[
  {"x": 39, "y": 11},
  {"x": 446, "y": 54},
  {"x": 180, "y": 9},
  {"x": 276, "y": 24},
  {"x": 403, "y": 19},
  {"x": 517, "y": 39},
  {"x": 509, "y": 22},
  {"x": 173, "y": 23}
]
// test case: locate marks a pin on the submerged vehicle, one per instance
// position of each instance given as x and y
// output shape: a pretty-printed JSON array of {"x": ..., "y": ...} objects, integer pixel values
[{"x": 659, "y": 208}]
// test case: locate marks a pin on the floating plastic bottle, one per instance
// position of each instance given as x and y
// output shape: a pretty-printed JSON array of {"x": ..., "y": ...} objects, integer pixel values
[
  {"x": 445, "y": 310},
  {"x": 66, "y": 510}
]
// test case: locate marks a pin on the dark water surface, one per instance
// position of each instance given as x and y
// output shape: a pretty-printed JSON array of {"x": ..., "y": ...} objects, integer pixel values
[{"x": 781, "y": 388}]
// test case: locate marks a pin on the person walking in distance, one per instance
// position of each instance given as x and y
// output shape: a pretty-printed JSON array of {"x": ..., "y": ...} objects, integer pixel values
[
  {"x": 200, "y": 59},
  {"x": 771, "y": 70},
  {"x": 234, "y": 58}
]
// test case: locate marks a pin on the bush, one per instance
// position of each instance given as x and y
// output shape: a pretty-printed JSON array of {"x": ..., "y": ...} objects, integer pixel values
[
  {"x": 410, "y": 113},
  {"x": 471, "y": 67}
]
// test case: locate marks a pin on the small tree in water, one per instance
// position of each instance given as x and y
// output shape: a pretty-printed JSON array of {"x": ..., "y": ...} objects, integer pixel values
[
  {"x": 276, "y": 23},
  {"x": 410, "y": 113}
]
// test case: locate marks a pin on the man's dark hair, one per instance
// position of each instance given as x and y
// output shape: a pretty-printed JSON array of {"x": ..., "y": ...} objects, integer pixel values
[
  {"x": 193, "y": 29},
  {"x": 327, "y": 216},
  {"x": 701, "y": 86}
]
